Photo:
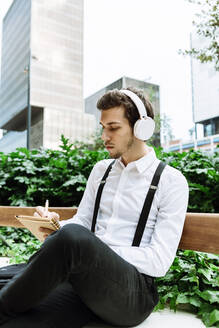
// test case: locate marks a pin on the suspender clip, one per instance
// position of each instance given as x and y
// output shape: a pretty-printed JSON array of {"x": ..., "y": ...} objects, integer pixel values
[{"x": 153, "y": 187}]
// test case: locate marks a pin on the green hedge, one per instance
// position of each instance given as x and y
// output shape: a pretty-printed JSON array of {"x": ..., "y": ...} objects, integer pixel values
[{"x": 28, "y": 178}]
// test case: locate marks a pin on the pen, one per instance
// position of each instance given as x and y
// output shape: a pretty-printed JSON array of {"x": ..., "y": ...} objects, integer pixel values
[{"x": 46, "y": 207}]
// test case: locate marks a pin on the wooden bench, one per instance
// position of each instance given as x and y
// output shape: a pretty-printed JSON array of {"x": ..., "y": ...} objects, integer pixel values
[{"x": 200, "y": 232}]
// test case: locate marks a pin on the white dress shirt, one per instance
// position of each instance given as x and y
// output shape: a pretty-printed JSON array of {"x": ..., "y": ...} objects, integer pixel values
[{"x": 120, "y": 208}]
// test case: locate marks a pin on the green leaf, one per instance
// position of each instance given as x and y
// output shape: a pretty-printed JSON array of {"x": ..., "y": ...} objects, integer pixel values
[
  {"x": 194, "y": 300},
  {"x": 173, "y": 303},
  {"x": 22, "y": 179},
  {"x": 74, "y": 180},
  {"x": 214, "y": 317},
  {"x": 182, "y": 298},
  {"x": 191, "y": 279},
  {"x": 206, "y": 273},
  {"x": 210, "y": 295}
]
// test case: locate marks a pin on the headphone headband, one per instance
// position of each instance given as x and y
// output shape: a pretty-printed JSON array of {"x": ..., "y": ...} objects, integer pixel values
[{"x": 137, "y": 101}]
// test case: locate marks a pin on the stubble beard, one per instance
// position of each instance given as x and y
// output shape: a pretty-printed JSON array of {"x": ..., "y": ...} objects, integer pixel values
[{"x": 120, "y": 153}]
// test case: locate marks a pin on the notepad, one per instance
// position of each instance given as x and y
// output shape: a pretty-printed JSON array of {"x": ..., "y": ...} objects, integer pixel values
[{"x": 33, "y": 223}]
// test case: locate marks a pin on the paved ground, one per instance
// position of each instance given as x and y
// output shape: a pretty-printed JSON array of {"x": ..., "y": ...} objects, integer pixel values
[
  {"x": 164, "y": 319},
  {"x": 4, "y": 261}
]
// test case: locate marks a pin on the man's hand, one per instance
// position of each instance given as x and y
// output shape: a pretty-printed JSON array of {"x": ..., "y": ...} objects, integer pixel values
[{"x": 42, "y": 212}]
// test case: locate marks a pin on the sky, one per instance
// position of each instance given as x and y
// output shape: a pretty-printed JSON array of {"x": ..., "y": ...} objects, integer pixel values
[{"x": 140, "y": 39}]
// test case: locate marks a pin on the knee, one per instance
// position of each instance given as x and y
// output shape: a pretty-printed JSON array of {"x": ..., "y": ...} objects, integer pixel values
[{"x": 74, "y": 235}]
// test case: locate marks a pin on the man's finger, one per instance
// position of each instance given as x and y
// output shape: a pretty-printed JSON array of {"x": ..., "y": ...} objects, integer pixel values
[
  {"x": 36, "y": 214},
  {"x": 54, "y": 215},
  {"x": 40, "y": 210}
]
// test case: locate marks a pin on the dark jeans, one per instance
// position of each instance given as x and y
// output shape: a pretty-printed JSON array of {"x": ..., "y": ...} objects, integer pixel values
[{"x": 75, "y": 278}]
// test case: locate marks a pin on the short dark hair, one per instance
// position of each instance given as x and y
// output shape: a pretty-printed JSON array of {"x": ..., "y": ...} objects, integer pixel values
[{"x": 114, "y": 98}]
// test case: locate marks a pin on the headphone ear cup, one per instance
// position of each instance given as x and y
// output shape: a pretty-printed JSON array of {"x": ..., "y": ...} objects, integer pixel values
[{"x": 144, "y": 128}]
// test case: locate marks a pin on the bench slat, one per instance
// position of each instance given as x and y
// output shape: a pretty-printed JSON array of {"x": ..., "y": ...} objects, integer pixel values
[
  {"x": 7, "y": 214},
  {"x": 200, "y": 230}
]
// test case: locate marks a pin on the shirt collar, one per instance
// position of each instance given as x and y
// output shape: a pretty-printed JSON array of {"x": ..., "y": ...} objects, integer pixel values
[{"x": 143, "y": 163}]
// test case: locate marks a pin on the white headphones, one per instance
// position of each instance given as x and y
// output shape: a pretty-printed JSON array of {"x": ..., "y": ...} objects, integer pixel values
[{"x": 144, "y": 127}]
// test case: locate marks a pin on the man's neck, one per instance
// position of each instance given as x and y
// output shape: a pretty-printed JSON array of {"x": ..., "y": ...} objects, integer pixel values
[{"x": 135, "y": 154}]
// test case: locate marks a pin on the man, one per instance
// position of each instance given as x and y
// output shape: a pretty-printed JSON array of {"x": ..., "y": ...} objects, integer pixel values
[{"x": 78, "y": 275}]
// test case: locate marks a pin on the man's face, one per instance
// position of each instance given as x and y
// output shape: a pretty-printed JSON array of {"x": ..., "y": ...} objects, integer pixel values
[{"x": 117, "y": 134}]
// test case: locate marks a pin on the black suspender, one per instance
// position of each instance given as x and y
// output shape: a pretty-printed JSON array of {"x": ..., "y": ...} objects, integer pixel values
[
  {"x": 146, "y": 207},
  {"x": 99, "y": 193}
]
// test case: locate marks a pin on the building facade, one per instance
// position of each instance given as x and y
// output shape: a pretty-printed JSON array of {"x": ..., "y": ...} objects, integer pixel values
[
  {"x": 42, "y": 55},
  {"x": 205, "y": 82},
  {"x": 205, "y": 105},
  {"x": 149, "y": 89},
  {"x": 208, "y": 144}
]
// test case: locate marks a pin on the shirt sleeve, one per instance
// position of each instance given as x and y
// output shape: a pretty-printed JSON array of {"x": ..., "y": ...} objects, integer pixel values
[
  {"x": 85, "y": 209},
  {"x": 156, "y": 258}
]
